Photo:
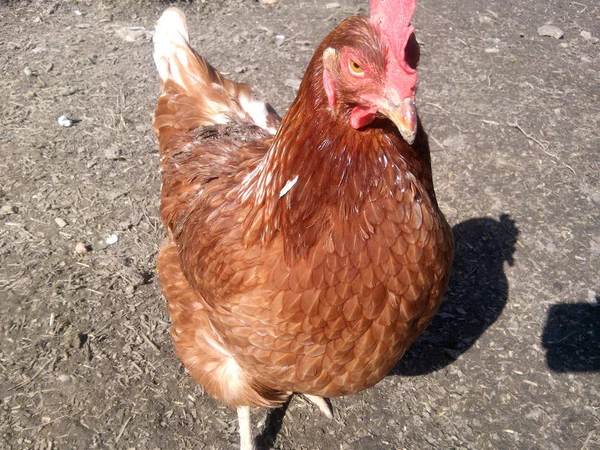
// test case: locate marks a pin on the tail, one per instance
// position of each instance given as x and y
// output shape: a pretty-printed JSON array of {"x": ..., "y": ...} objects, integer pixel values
[
  {"x": 171, "y": 44},
  {"x": 193, "y": 93}
]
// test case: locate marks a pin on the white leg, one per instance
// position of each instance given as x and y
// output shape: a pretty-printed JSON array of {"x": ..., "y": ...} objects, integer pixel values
[
  {"x": 246, "y": 441},
  {"x": 321, "y": 404}
]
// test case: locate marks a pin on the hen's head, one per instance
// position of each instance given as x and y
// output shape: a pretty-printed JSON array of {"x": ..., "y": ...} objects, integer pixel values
[{"x": 369, "y": 67}]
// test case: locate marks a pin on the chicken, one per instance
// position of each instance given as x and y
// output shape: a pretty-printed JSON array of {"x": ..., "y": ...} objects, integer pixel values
[{"x": 304, "y": 254}]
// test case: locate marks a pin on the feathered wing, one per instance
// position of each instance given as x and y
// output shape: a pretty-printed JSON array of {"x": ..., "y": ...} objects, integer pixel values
[
  {"x": 211, "y": 132},
  {"x": 203, "y": 121}
]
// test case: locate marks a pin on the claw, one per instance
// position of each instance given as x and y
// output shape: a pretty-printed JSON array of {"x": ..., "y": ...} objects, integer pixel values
[{"x": 321, "y": 403}]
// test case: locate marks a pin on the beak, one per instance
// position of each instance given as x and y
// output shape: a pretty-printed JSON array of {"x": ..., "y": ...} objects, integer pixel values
[{"x": 404, "y": 117}]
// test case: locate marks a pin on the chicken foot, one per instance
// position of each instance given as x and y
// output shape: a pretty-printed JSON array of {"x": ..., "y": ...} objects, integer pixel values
[
  {"x": 245, "y": 424},
  {"x": 320, "y": 403}
]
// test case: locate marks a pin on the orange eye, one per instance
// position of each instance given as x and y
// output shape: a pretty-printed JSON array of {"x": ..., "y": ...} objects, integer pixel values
[{"x": 354, "y": 67}]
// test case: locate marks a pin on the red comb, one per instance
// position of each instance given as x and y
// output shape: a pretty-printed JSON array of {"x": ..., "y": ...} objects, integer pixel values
[
  {"x": 392, "y": 15},
  {"x": 392, "y": 18}
]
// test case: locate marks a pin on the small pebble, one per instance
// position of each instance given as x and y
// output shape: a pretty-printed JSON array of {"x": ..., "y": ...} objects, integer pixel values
[
  {"x": 112, "y": 239},
  {"x": 112, "y": 152},
  {"x": 8, "y": 210},
  {"x": 65, "y": 121},
  {"x": 27, "y": 71},
  {"x": 129, "y": 290},
  {"x": 60, "y": 222},
  {"x": 332, "y": 5},
  {"x": 551, "y": 30},
  {"x": 588, "y": 37},
  {"x": 81, "y": 248},
  {"x": 63, "y": 378}
]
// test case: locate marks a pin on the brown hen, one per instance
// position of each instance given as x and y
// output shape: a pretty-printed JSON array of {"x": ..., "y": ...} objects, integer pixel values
[{"x": 303, "y": 255}]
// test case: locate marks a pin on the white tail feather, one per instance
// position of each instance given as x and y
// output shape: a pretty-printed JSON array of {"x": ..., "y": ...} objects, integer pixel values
[
  {"x": 171, "y": 41},
  {"x": 176, "y": 61}
]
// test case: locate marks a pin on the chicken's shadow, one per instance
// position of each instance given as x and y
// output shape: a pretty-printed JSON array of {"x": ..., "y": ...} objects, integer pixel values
[
  {"x": 477, "y": 294},
  {"x": 273, "y": 423}
]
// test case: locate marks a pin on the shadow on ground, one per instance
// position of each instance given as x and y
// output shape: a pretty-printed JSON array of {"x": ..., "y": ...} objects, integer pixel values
[
  {"x": 273, "y": 423},
  {"x": 571, "y": 337},
  {"x": 476, "y": 296}
]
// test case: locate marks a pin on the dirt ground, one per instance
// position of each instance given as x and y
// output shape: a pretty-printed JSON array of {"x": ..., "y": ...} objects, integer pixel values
[{"x": 511, "y": 361}]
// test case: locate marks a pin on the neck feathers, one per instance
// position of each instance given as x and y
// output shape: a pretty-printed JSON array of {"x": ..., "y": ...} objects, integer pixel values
[{"x": 320, "y": 171}]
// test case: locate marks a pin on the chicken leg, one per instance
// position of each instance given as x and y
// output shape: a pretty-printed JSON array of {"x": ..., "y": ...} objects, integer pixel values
[{"x": 246, "y": 440}]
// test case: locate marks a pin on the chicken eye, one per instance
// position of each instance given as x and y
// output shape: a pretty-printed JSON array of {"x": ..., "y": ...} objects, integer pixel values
[{"x": 355, "y": 68}]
